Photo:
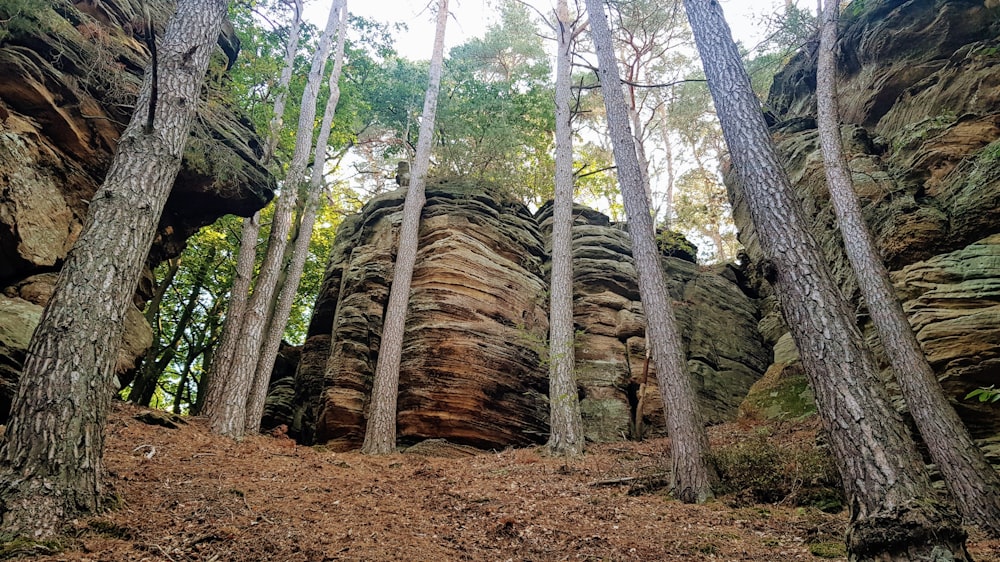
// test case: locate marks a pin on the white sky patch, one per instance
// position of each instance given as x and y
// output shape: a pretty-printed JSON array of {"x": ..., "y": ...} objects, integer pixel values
[{"x": 470, "y": 18}]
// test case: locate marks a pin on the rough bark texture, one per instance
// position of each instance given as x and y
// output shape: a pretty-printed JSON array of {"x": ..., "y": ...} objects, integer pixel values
[
  {"x": 973, "y": 483},
  {"x": 71, "y": 73},
  {"x": 566, "y": 435},
  {"x": 239, "y": 294},
  {"x": 300, "y": 249},
  {"x": 227, "y": 406},
  {"x": 380, "y": 436},
  {"x": 691, "y": 477},
  {"x": 893, "y": 512},
  {"x": 52, "y": 452}
]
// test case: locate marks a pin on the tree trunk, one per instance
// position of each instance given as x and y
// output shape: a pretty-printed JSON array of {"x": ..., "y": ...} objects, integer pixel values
[
  {"x": 691, "y": 478},
  {"x": 565, "y": 423},
  {"x": 973, "y": 483},
  {"x": 894, "y": 515},
  {"x": 148, "y": 372},
  {"x": 152, "y": 371},
  {"x": 231, "y": 382},
  {"x": 300, "y": 251},
  {"x": 51, "y": 460},
  {"x": 380, "y": 433}
]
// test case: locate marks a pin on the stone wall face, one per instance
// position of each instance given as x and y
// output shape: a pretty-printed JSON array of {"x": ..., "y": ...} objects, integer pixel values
[{"x": 920, "y": 98}]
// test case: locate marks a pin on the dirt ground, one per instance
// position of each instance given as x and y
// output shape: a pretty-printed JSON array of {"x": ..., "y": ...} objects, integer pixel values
[{"x": 186, "y": 495}]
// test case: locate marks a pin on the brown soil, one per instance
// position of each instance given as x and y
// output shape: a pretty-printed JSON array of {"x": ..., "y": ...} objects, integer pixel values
[{"x": 187, "y": 495}]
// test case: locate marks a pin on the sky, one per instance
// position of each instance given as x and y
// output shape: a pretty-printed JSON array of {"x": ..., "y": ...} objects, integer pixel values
[{"x": 471, "y": 17}]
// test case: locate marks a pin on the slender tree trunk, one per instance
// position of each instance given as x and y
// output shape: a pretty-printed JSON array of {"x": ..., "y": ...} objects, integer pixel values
[
  {"x": 691, "y": 477},
  {"x": 245, "y": 261},
  {"x": 894, "y": 514},
  {"x": 50, "y": 463},
  {"x": 300, "y": 251},
  {"x": 226, "y": 407},
  {"x": 147, "y": 372},
  {"x": 158, "y": 365},
  {"x": 565, "y": 423},
  {"x": 973, "y": 483},
  {"x": 380, "y": 433}
]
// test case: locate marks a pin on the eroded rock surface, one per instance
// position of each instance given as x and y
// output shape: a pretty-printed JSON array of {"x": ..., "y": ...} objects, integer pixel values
[
  {"x": 71, "y": 72},
  {"x": 920, "y": 95},
  {"x": 717, "y": 320},
  {"x": 474, "y": 369},
  {"x": 471, "y": 371}
]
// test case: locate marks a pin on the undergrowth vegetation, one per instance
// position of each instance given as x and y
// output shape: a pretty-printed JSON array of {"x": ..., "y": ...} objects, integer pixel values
[{"x": 758, "y": 470}]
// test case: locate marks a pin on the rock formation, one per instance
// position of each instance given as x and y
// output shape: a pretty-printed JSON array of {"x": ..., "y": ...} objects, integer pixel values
[
  {"x": 920, "y": 97},
  {"x": 473, "y": 367},
  {"x": 71, "y": 72}
]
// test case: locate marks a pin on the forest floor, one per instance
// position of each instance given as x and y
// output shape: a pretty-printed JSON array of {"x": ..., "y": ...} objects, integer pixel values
[{"x": 187, "y": 495}]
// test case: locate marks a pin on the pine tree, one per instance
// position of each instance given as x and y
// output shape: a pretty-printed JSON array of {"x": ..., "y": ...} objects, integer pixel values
[
  {"x": 691, "y": 476},
  {"x": 894, "y": 514},
  {"x": 51, "y": 462},
  {"x": 973, "y": 483},
  {"x": 380, "y": 434}
]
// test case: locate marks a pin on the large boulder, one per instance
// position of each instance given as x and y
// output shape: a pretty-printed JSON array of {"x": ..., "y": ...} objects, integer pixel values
[
  {"x": 71, "y": 73},
  {"x": 919, "y": 89}
]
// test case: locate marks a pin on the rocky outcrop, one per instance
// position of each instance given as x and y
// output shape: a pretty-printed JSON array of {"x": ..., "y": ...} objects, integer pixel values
[
  {"x": 919, "y": 90},
  {"x": 71, "y": 72},
  {"x": 473, "y": 369},
  {"x": 716, "y": 318},
  {"x": 472, "y": 366}
]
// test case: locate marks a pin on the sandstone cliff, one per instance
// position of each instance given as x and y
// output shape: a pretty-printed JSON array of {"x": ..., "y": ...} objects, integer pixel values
[
  {"x": 473, "y": 367},
  {"x": 920, "y": 97},
  {"x": 71, "y": 72}
]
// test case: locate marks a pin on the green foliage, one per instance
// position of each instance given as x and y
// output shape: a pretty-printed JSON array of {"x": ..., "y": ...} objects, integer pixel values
[
  {"x": 496, "y": 119},
  {"x": 828, "y": 549},
  {"x": 673, "y": 243},
  {"x": 758, "y": 471},
  {"x": 19, "y": 547},
  {"x": 788, "y": 31},
  {"x": 19, "y": 18},
  {"x": 985, "y": 394}
]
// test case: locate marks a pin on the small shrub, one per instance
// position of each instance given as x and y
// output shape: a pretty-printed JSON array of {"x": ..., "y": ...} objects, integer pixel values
[{"x": 758, "y": 471}]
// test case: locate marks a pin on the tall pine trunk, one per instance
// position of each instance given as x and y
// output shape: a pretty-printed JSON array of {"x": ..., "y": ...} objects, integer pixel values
[
  {"x": 565, "y": 422},
  {"x": 239, "y": 294},
  {"x": 230, "y": 383},
  {"x": 380, "y": 433},
  {"x": 973, "y": 483},
  {"x": 691, "y": 475},
  {"x": 51, "y": 459},
  {"x": 300, "y": 249},
  {"x": 894, "y": 513}
]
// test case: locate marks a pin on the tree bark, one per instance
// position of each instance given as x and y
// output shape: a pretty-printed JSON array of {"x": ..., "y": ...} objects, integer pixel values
[
  {"x": 51, "y": 460},
  {"x": 894, "y": 514},
  {"x": 300, "y": 251},
  {"x": 239, "y": 294},
  {"x": 232, "y": 381},
  {"x": 380, "y": 433},
  {"x": 565, "y": 422},
  {"x": 973, "y": 483},
  {"x": 691, "y": 478}
]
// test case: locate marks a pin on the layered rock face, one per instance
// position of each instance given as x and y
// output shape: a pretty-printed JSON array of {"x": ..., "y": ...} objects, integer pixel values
[
  {"x": 472, "y": 355},
  {"x": 920, "y": 98},
  {"x": 71, "y": 73},
  {"x": 717, "y": 320},
  {"x": 474, "y": 369}
]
